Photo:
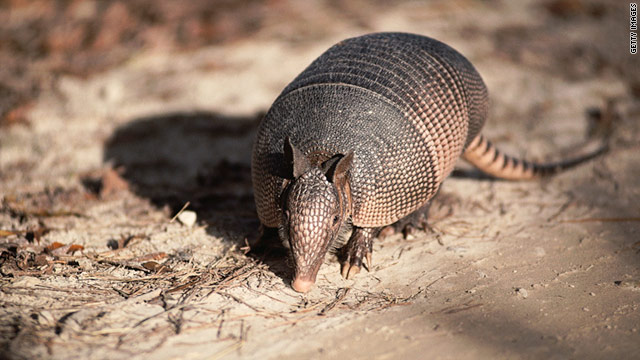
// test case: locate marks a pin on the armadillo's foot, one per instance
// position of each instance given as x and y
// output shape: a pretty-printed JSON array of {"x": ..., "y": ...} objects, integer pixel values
[
  {"x": 409, "y": 225},
  {"x": 407, "y": 230},
  {"x": 359, "y": 247}
]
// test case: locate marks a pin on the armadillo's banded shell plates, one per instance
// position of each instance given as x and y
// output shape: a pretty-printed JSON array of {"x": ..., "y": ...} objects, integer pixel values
[{"x": 406, "y": 105}]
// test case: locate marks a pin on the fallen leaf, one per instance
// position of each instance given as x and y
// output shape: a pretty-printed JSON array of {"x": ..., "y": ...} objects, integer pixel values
[
  {"x": 54, "y": 245},
  {"x": 151, "y": 265},
  {"x": 73, "y": 248}
]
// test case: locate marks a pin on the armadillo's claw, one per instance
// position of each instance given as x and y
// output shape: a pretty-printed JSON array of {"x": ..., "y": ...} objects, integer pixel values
[
  {"x": 358, "y": 249},
  {"x": 369, "y": 262},
  {"x": 352, "y": 264},
  {"x": 349, "y": 271}
]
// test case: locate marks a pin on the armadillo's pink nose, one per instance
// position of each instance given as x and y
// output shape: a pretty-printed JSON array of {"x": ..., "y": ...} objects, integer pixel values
[{"x": 302, "y": 285}]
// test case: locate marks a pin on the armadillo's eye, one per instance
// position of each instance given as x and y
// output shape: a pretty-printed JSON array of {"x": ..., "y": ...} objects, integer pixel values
[{"x": 336, "y": 219}]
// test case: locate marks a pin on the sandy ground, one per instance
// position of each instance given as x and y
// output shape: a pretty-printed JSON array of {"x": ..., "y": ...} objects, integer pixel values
[{"x": 93, "y": 266}]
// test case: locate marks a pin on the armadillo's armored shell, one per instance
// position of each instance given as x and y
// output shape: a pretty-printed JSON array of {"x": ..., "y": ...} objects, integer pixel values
[{"x": 406, "y": 105}]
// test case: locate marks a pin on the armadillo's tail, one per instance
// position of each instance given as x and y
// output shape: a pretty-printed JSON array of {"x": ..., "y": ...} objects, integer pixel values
[{"x": 486, "y": 157}]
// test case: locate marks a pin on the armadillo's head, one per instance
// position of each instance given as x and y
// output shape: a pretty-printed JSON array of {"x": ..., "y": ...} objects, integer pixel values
[{"x": 316, "y": 203}]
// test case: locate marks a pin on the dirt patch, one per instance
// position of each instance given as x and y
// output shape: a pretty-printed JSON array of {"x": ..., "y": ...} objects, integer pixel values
[{"x": 117, "y": 114}]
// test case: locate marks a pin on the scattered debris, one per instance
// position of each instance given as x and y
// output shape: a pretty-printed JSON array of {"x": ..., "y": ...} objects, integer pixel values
[
  {"x": 184, "y": 207},
  {"x": 633, "y": 285},
  {"x": 522, "y": 292},
  {"x": 187, "y": 218}
]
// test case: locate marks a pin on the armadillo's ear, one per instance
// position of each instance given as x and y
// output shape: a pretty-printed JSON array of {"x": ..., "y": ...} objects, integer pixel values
[
  {"x": 295, "y": 158},
  {"x": 337, "y": 168}
]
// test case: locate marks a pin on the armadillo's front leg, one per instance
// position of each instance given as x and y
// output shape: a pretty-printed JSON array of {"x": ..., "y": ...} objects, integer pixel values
[{"x": 359, "y": 246}]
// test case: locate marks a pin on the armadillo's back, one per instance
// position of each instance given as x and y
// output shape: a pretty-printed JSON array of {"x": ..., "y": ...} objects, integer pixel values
[{"x": 407, "y": 105}]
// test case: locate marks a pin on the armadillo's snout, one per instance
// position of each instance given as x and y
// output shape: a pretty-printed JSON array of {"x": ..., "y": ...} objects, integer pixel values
[
  {"x": 305, "y": 276},
  {"x": 311, "y": 222},
  {"x": 302, "y": 285}
]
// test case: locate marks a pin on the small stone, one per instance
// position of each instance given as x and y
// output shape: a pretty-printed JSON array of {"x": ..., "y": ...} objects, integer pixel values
[
  {"x": 592, "y": 294},
  {"x": 586, "y": 309},
  {"x": 187, "y": 218},
  {"x": 522, "y": 292}
]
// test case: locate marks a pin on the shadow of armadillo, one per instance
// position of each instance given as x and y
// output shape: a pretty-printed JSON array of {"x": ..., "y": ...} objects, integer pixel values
[{"x": 202, "y": 158}]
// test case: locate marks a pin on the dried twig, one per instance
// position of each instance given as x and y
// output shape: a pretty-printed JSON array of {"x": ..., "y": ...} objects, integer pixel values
[
  {"x": 340, "y": 295},
  {"x": 180, "y": 212}
]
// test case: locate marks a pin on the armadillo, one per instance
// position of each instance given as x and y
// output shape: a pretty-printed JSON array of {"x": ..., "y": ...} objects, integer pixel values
[{"x": 364, "y": 137}]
